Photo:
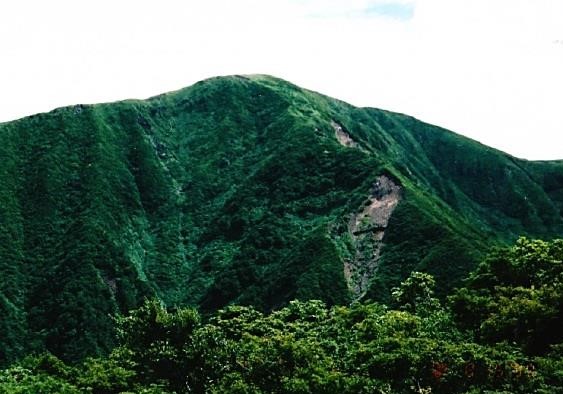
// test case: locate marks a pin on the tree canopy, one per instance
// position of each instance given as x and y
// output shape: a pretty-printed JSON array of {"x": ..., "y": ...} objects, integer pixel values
[{"x": 500, "y": 332}]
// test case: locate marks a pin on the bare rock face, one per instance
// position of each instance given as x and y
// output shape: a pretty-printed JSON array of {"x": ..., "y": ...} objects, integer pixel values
[
  {"x": 367, "y": 229},
  {"x": 343, "y": 137}
]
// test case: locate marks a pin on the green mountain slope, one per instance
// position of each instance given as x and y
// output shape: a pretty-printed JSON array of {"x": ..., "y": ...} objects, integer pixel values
[{"x": 244, "y": 190}]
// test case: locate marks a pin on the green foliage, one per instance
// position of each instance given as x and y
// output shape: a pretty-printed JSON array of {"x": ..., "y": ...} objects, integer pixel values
[
  {"x": 154, "y": 341},
  {"x": 105, "y": 375},
  {"x": 308, "y": 347},
  {"x": 236, "y": 191},
  {"x": 415, "y": 293},
  {"x": 305, "y": 348},
  {"x": 42, "y": 374},
  {"x": 516, "y": 295}
]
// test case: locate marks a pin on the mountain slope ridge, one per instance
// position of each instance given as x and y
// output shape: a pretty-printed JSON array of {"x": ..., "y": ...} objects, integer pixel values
[{"x": 236, "y": 189}]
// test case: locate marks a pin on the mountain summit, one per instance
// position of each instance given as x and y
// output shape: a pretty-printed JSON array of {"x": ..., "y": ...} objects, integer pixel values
[{"x": 242, "y": 189}]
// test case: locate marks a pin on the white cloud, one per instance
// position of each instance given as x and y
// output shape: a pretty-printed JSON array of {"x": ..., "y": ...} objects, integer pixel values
[{"x": 488, "y": 69}]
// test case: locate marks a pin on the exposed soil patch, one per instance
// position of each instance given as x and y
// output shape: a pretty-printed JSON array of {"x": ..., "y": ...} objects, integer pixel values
[
  {"x": 367, "y": 229},
  {"x": 343, "y": 137}
]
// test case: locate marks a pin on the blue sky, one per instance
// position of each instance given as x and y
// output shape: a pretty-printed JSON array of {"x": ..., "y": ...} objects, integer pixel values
[
  {"x": 488, "y": 69},
  {"x": 396, "y": 10}
]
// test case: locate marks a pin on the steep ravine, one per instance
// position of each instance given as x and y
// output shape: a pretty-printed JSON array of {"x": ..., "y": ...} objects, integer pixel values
[{"x": 366, "y": 228}]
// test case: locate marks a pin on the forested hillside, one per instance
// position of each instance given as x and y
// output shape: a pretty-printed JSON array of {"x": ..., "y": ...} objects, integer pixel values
[
  {"x": 241, "y": 190},
  {"x": 498, "y": 333}
]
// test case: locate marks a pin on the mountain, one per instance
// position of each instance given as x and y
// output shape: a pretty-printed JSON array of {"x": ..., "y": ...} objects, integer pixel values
[{"x": 242, "y": 189}]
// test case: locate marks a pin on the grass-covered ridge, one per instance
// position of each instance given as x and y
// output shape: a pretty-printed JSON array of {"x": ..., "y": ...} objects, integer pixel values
[{"x": 235, "y": 190}]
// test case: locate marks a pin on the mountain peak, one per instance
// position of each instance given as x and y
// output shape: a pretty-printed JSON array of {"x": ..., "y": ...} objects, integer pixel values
[{"x": 241, "y": 189}]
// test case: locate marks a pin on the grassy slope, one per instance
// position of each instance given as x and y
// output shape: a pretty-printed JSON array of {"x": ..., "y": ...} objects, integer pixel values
[{"x": 232, "y": 190}]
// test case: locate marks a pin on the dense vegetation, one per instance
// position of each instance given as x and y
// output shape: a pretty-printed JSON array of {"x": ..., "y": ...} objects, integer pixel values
[
  {"x": 499, "y": 333},
  {"x": 236, "y": 191}
]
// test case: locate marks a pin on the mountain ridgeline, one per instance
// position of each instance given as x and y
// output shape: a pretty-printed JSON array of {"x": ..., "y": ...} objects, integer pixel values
[{"x": 246, "y": 190}]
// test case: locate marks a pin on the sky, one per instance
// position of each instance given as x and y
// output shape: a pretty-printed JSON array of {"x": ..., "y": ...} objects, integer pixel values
[{"x": 488, "y": 69}]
